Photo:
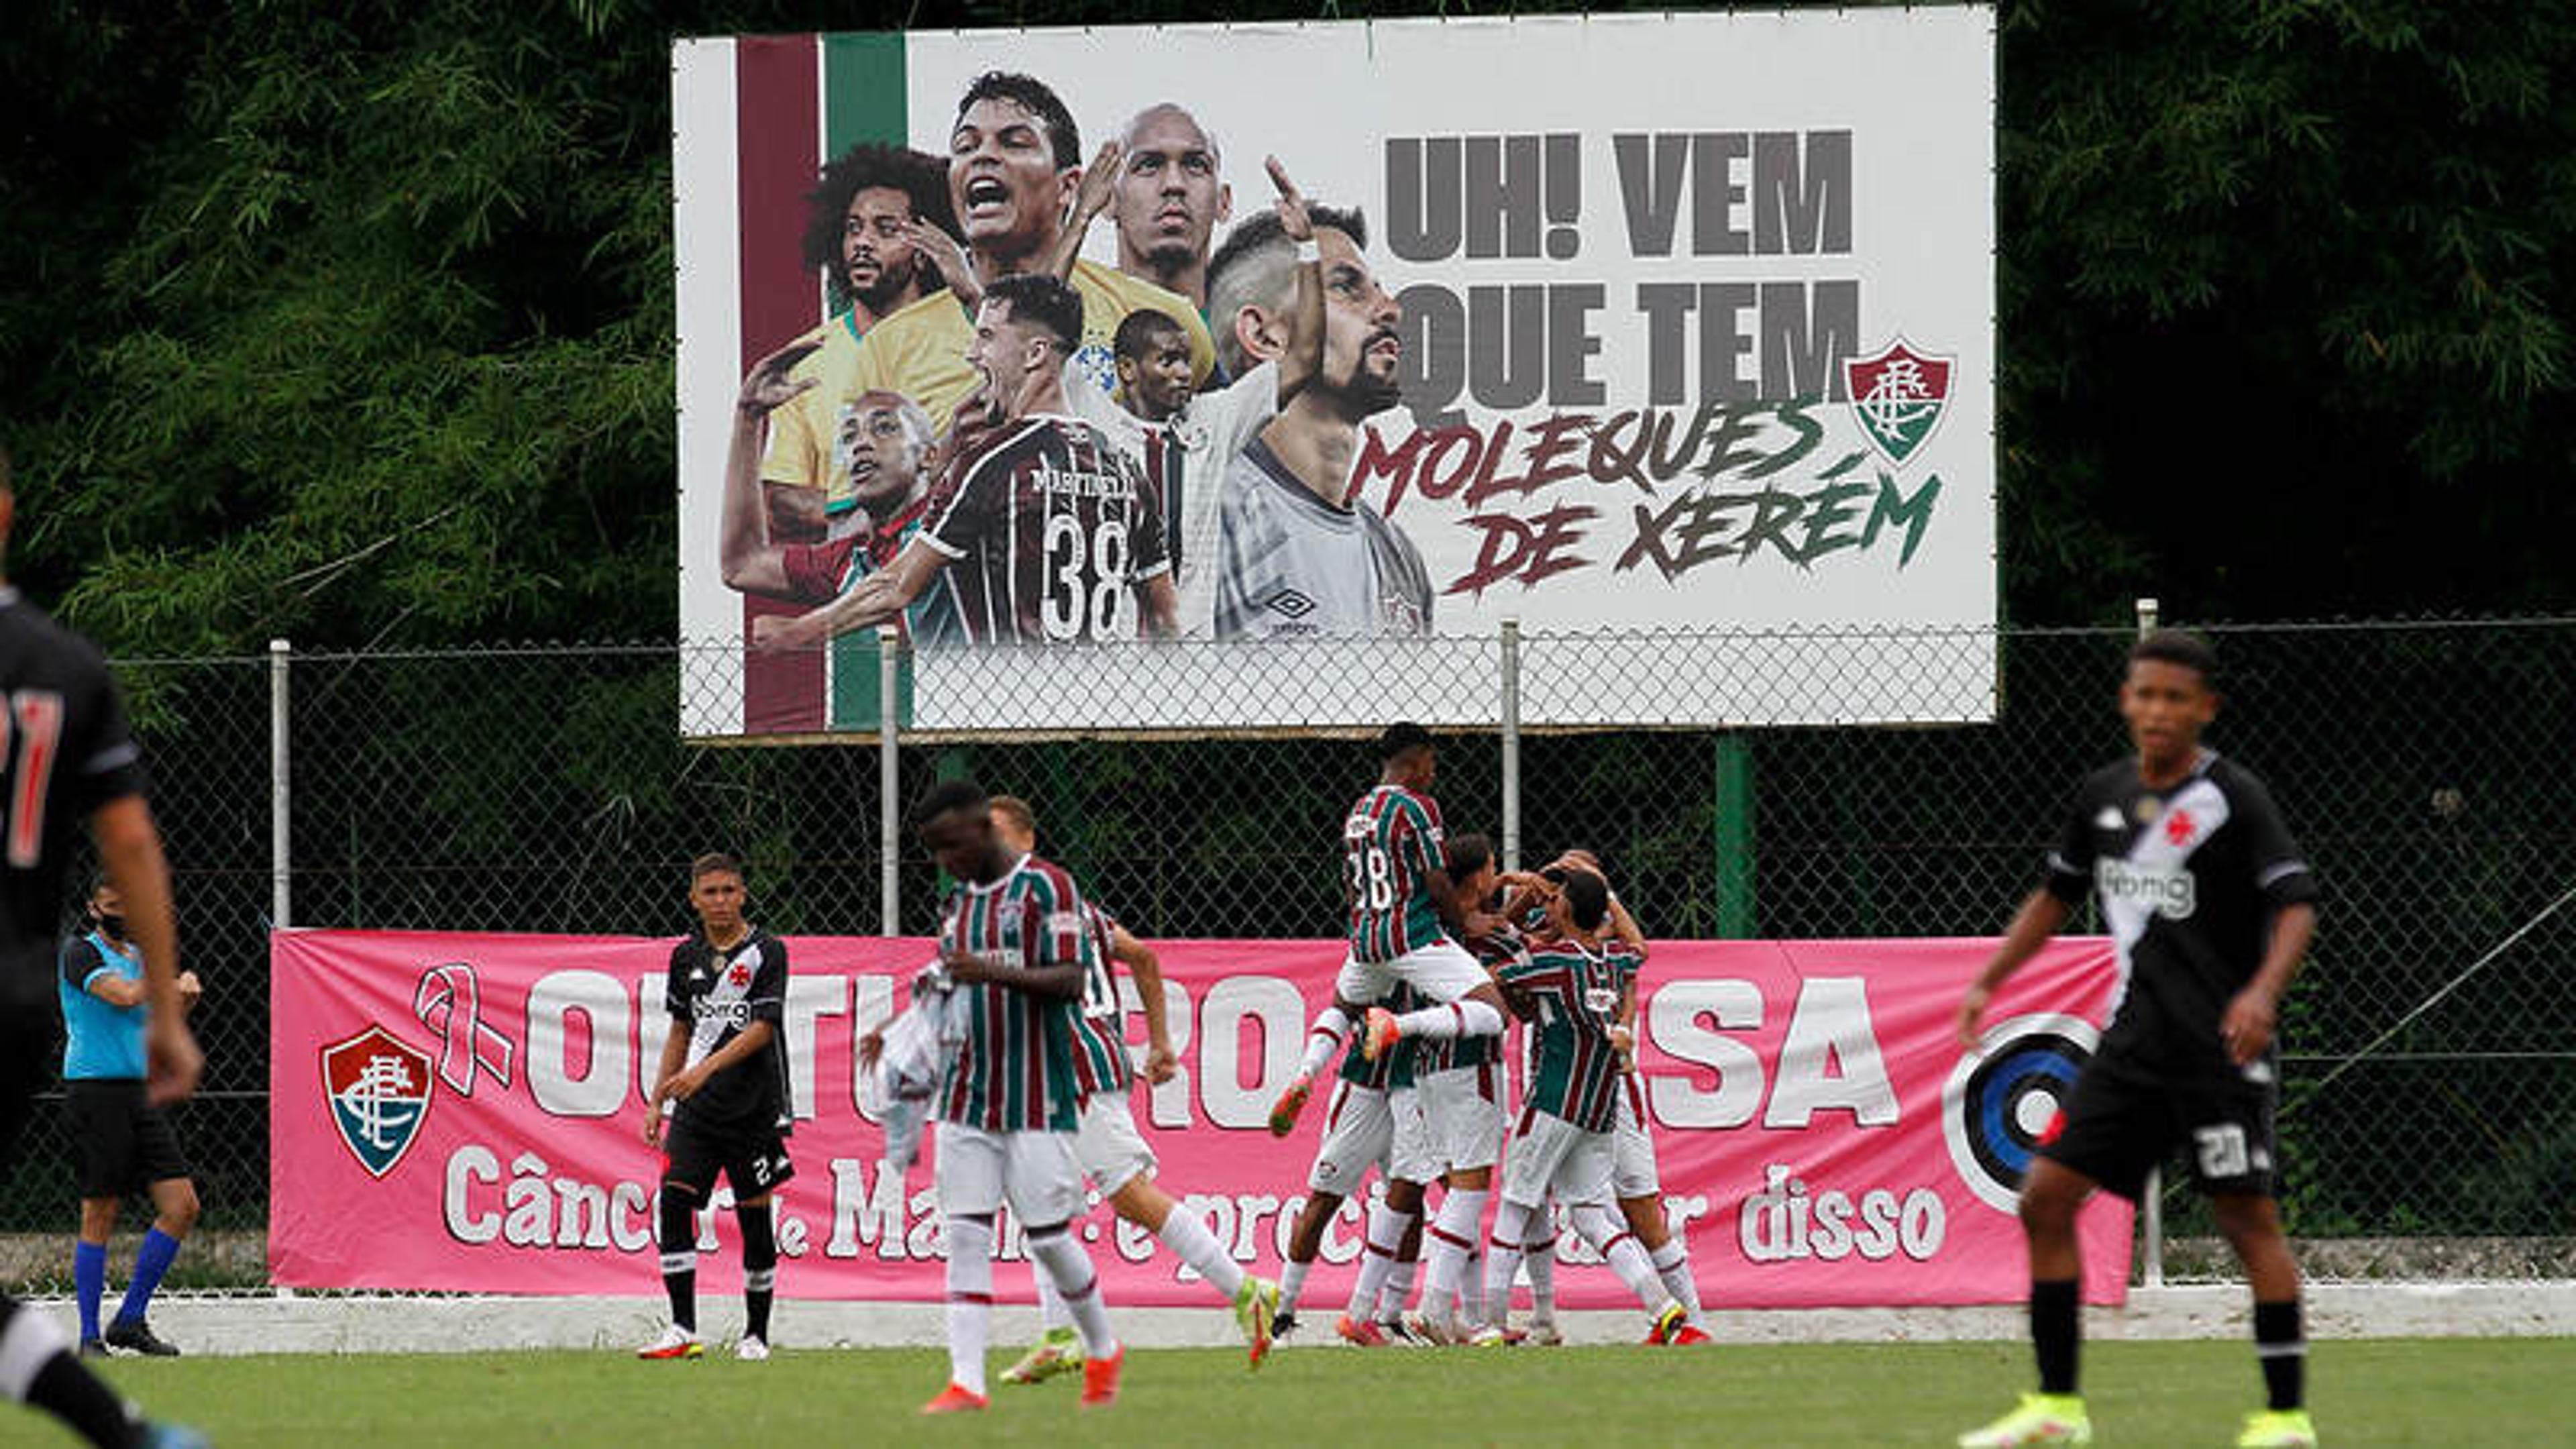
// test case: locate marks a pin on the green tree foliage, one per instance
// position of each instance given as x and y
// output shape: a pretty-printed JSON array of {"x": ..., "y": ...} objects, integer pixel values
[{"x": 352, "y": 321}]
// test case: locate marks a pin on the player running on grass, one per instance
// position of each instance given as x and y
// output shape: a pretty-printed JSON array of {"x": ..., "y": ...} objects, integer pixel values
[
  {"x": 1112, "y": 1152},
  {"x": 2211, "y": 907},
  {"x": 1404, "y": 925}
]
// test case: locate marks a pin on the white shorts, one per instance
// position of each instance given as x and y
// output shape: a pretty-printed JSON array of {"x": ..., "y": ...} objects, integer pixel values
[
  {"x": 977, "y": 1171},
  {"x": 1466, "y": 1115},
  {"x": 1409, "y": 1149},
  {"x": 1359, "y": 1127},
  {"x": 1550, "y": 1155},
  {"x": 1112, "y": 1152},
  {"x": 1442, "y": 971},
  {"x": 1632, "y": 1171}
]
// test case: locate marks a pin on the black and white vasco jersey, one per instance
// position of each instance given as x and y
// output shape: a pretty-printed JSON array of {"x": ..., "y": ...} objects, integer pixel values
[
  {"x": 2189, "y": 879},
  {"x": 713, "y": 995}
]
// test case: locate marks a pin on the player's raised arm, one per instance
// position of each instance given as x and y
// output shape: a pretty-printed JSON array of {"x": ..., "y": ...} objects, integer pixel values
[
  {"x": 1099, "y": 187},
  {"x": 750, "y": 560},
  {"x": 1305, "y": 352},
  {"x": 873, "y": 600}
]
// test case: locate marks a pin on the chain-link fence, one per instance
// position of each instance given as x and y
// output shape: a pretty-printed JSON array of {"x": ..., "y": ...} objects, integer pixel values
[{"x": 2430, "y": 1092}]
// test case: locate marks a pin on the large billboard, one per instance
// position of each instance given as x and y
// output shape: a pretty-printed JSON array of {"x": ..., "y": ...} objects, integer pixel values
[
  {"x": 461, "y": 1113},
  {"x": 1636, "y": 330}
]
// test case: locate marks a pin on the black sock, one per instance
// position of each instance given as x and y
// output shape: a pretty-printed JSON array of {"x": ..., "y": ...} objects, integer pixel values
[
  {"x": 680, "y": 1258},
  {"x": 2283, "y": 1350},
  {"x": 759, "y": 1267},
  {"x": 61, "y": 1387},
  {"x": 2055, "y": 1333}
]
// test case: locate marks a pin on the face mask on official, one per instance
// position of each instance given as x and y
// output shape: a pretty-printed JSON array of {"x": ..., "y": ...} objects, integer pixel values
[{"x": 111, "y": 924}]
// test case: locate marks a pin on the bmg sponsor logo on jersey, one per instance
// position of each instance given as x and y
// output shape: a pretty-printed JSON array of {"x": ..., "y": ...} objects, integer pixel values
[
  {"x": 379, "y": 1088},
  {"x": 2172, "y": 894}
]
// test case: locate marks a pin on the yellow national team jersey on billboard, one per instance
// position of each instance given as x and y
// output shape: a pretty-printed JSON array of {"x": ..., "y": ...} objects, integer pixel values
[
  {"x": 921, "y": 350},
  {"x": 803, "y": 431}
]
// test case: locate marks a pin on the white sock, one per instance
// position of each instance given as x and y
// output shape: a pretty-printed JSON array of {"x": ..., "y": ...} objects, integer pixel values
[
  {"x": 1324, "y": 1038},
  {"x": 1055, "y": 1252},
  {"x": 1185, "y": 1235},
  {"x": 1604, "y": 1230},
  {"x": 1503, "y": 1259},
  {"x": 1471, "y": 1285},
  {"x": 1672, "y": 1264},
  {"x": 1386, "y": 1229},
  {"x": 1292, "y": 1281},
  {"x": 1458, "y": 1018},
  {"x": 1449, "y": 1243},
  {"x": 1399, "y": 1289},
  {"x": 970, "y": 1300},
  {"x": 1051, "y": 1314},
  {"x": 1540, "y": 1264}
]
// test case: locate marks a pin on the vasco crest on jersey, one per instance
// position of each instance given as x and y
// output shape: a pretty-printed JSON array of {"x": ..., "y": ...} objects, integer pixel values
[
  {"x": 1898, "y": 397},
  {"x": 379, "y": 1088}
]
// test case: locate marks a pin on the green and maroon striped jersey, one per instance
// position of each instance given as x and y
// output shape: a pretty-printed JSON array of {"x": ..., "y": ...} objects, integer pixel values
[
  {"x": 1391, "y": 848},
  {"x": 1100, "y": 1059},
  {"x": 1577, "y": 993},
  {"x": 1399, "y": 1066},
  {"x": 1011, "y": 1069},
  {"x": 1450, "y": 1054}
]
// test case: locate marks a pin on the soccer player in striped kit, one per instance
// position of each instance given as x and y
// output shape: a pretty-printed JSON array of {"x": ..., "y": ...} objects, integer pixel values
[
  {"x": 1575, "y": 985},
  {"x": 1404, "y": 925},
  {"x": 1113, "y": 1154},
  {"x": 1014, "y": 954}
]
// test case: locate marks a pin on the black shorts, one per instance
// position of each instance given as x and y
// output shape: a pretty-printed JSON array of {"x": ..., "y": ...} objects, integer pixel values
[
  {"x": 125, "y": 1142},
  {"x": 2123, "y": 1120},
  {"x": 754, "y": 1160}
]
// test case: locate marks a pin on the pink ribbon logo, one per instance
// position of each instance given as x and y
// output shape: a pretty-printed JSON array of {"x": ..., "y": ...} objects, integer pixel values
[{"x": 448, "y": 1002}]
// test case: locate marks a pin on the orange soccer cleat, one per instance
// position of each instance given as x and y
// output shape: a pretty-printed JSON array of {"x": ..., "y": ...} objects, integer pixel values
[
  {"x": 1379, "y": 1033},
  {"x": 1360, "y": 1332},
  {"x": 1283, "y": 1113},
  {"x": 1100, "y": 1378},
  {"x": 956, "y": 1399}
]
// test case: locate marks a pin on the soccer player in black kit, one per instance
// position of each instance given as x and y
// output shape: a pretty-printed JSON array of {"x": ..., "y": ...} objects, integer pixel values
[
  {"x": 725, "y": 1076},
  {"x": 69, "y": 757},
  {"x": 2211, "y": 908}
]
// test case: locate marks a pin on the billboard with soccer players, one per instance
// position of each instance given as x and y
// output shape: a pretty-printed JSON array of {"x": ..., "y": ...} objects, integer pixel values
[
  {"x": 1126, "y": 384},
  {"x": 460, "y": 1112}
]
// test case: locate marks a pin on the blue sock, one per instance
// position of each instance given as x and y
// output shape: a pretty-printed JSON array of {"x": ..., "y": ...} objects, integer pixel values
[
  {"x": 149, "y": 1264},
  {"x": 89, "y": 1278}
]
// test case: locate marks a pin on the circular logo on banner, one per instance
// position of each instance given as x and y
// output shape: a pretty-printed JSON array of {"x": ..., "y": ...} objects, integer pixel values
[{"x": 1999, "y": 1104}]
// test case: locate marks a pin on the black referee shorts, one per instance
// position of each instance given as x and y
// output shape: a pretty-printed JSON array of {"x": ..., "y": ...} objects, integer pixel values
[
  {"x": 125, "y": 1142},
  {"x": 753, "y": 1159},
  {"x": 2124, "y": 1119}
]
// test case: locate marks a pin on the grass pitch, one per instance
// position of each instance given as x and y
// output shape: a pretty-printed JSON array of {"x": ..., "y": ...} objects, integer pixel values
[{"x": 2386, "y": 1392}]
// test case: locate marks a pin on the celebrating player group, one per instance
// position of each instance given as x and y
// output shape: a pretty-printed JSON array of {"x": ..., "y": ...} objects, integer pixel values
[{"x": 1014, "y": 1048}]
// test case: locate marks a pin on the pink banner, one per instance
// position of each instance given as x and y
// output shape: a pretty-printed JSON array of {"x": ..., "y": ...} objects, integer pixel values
[{"x": 462, "y": 1112}]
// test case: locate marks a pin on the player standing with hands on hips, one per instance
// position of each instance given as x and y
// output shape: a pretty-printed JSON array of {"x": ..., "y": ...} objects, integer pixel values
[
  {"x": 2211, "y": 908},
  {"x": 71, "y": 758}
]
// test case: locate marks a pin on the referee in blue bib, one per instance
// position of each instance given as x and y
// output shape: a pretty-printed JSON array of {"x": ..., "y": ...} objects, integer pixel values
[{"x": 125, "y": 1142}]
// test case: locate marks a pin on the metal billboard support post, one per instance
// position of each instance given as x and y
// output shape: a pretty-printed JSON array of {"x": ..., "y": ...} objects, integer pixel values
[
  {"x": 889, "y": 809},
  {"x": 1511, "y": 744},
  {"x": 2151, "y": 1203},
  {"x": 281, "y": 891}
]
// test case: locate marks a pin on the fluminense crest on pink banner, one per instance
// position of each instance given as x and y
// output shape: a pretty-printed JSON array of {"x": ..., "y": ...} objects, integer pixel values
[{"x": 1822, "y": 1138}]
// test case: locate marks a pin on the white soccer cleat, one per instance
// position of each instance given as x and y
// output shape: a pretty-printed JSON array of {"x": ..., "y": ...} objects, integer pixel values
[
  {"x": 675, "y": 1342},
  {"x": 752, "y": 1349}
]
